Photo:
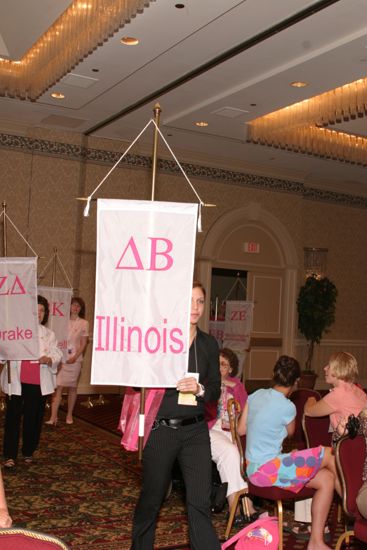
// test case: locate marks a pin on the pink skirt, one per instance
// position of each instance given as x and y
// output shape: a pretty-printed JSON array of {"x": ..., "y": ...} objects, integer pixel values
[{"x": 68, "y": 375}]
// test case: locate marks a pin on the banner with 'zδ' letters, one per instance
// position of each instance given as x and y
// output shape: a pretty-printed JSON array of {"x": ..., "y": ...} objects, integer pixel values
[
  {"x": 18, "y": 309},
  {"x": 145, "y": 261}
]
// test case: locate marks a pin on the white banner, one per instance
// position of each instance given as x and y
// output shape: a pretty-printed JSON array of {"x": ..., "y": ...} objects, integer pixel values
[
  {"x": 216, "y": 329},
  {"x": 145, "y": 261},
  {"x": 18, "y": 309},
  {"x": 238, "y": 328},
  {"x": 59, "y": 300}
]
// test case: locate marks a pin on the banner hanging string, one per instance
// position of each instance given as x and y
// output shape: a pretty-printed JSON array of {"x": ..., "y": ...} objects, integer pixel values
[
  {"x": 19, "y": 233},
  {"x": 151, "y": 121},
  {"x": 61, "y": 267}
]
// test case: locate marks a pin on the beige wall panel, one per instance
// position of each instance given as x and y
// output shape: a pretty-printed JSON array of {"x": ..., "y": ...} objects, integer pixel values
[
  {"x": 267, "y": 297},
  {"x": 261, "y": 363},
  {"x": 343, "y": 231}
]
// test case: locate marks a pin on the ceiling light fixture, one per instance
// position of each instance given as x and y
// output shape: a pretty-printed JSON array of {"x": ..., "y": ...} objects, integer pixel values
[
  {"x": 58, "y": 95},
  {"x": 179, "y": 6},
  {"x": 298, "y": 84},
  {"x": 74, "y": 35},
  {"x": 304, "y": 127},
  {"x": 201, "y": 124},
  {"x": 129, "y": 41}
]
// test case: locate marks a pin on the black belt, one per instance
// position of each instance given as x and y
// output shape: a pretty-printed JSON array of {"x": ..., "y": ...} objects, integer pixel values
[{"x": 176, "y": 422}]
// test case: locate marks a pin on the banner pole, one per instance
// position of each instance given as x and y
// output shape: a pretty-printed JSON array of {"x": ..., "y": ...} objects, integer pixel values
[
  {"x": 5, "y": 249},
  {"x": 157, "y": 112},
  {"x": 54, "y": 268},
  {"x": 5, "y": 244}
]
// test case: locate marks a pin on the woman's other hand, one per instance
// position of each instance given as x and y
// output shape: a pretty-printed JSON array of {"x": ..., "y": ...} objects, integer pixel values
[
  {"x": 188, "y": 385},
  {"x": 44, "y": 360}
]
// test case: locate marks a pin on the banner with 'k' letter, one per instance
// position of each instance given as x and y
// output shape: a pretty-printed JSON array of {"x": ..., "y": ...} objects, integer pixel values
[
  {"x": 18, "y": 309},
  {"x": 59, "y": 300},
  {"x": 145, "y": 261}
]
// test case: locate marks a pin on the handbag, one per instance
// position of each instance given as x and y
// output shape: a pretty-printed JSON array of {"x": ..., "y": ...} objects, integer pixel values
[
  {"x": 259, "y": 535},
  {"x": 129, "y": 418},
  {"x": 351, "y": 430}
]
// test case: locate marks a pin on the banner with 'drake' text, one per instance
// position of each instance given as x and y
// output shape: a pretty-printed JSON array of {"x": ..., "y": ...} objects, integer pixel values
[
  {"x": 145, "y": 261},
  {"x": 18, "y": 309},
  {"x": 59, "y": 300}
]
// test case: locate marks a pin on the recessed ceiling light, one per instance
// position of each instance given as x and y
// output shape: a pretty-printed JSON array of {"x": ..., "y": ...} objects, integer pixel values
[
  {"x": 58, "y": 95},
  {"x": 129, "y": 41},
  {"x": 298, "y": 84},
  {"x": 179, "y": 6},
  {"x": 201, "y": 124},
  {"x": 95, "y": 70}
]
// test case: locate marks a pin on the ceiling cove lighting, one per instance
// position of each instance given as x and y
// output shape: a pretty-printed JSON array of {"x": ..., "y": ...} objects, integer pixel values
[
  {"x": 72, "y": 37},
  {"x": 304, "y": 127}
]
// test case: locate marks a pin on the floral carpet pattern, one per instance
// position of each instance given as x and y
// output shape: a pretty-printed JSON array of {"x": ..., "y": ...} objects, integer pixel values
[{"x": 82, "y": 487}]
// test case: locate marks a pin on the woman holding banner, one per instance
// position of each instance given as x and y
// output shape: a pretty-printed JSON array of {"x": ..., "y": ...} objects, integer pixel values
[
  {"x": 31, "y": 382},
  {"x": 180, "y": 431},
  {"x": 69, "y": 372}
]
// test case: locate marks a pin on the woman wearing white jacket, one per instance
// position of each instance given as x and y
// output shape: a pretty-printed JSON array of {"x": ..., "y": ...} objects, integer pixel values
[{"x": 31, "y": 382}]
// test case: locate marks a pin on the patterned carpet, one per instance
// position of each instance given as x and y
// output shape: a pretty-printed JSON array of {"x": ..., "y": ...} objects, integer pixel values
[{"x": 83, "y": 488}]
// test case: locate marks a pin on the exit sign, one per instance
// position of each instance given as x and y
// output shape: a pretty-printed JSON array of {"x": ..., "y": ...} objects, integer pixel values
[{"x": 252, "y": 248}]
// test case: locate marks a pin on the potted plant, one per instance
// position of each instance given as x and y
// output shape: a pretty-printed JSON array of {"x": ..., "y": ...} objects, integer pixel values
[{"x": 316, "y": 313}]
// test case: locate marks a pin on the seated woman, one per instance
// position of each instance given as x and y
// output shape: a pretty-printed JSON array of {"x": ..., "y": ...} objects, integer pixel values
[
  {"x": 224, "y": 452},
  {"x": 267, "y": 419},
  {"x": 345, "y": 398}
]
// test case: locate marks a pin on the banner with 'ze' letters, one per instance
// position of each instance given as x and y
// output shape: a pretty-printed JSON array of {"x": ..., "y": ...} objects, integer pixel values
[
  {"x": 59, "y": 300},
  {"x": 145, "y": 261},
  {"x": 18, "y": 309}
]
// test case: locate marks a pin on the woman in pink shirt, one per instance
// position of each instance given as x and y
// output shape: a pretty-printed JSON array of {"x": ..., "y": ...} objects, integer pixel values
[
  {"x": 31, "y": 382},
  {"x": 345, "y": 398}
]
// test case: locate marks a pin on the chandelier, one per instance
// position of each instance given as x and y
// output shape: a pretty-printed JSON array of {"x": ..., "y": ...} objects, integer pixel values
[
  {"x": 82, "y": 27},
  {"x": 305, "y": 126}
]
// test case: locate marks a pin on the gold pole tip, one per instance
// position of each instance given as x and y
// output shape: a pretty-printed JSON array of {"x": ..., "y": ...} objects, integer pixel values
[{"x": 83, "y": 199}]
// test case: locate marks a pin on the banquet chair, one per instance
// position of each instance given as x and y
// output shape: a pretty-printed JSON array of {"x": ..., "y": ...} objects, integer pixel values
[
  {"x": 299, "y": 398},
  {"x": 316, "y": 430},
  {"x": 234, "y": 410},
  {"x": 275, "y": 494},
  {"x": 15, "y": 538},
  {"x": 350, "y": 455}
]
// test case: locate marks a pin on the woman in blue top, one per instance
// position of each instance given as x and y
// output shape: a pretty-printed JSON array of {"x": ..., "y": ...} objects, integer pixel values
[{"x": 268, "y": 418}]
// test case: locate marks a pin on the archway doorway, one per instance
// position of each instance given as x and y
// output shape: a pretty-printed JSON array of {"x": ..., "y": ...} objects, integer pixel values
[{"x": 271, "y": 264}]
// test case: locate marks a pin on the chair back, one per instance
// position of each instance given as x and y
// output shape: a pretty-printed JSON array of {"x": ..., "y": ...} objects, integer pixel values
[
  {"x": 350, "y": 455},
  {"x": 299, "y": 398},
  {"x": 234, "y": 410},
  {"x": 316, "y": 430},
  {"x": 24, "y": 539}
]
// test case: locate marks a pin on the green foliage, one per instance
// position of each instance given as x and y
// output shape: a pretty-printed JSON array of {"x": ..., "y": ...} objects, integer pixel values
[{"x": 316, "y": 310}]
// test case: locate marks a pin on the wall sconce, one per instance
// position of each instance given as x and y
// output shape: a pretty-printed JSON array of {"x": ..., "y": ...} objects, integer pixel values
[{"x": 314, "y": 260}]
